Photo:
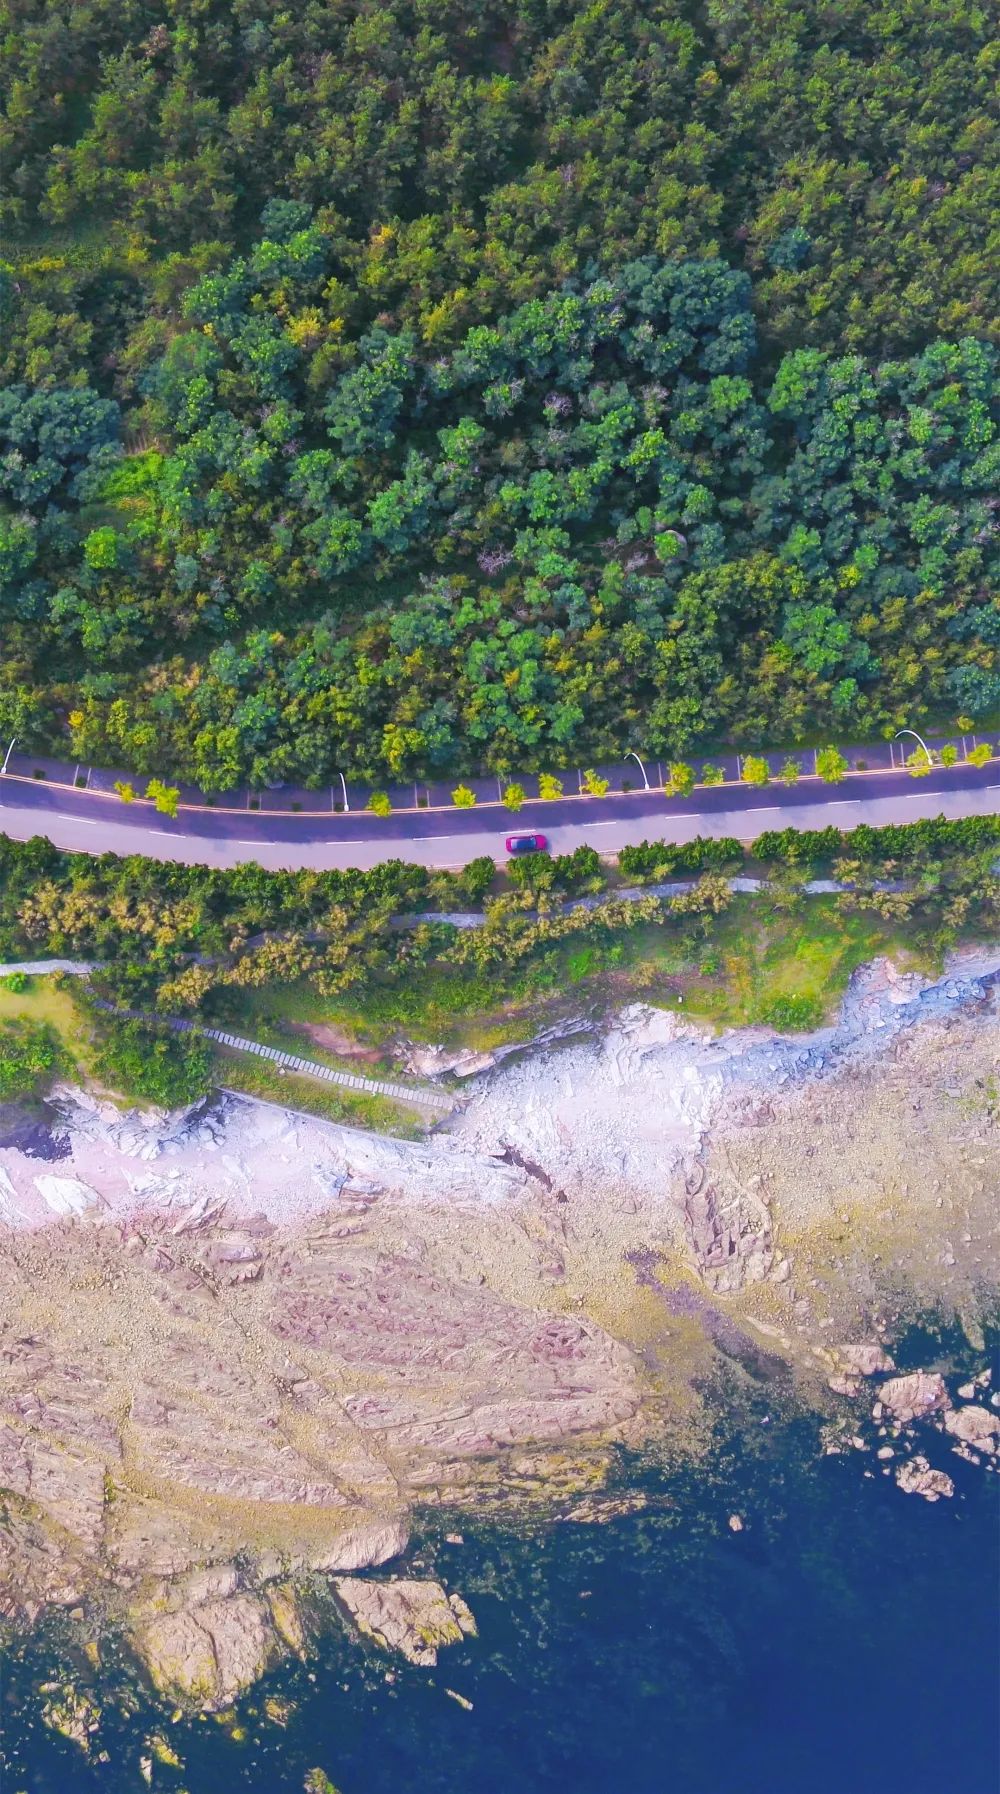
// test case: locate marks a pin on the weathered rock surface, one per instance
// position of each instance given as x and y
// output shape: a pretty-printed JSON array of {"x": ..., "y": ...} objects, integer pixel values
[
  {"x": 415, "y": 1618},
  {"x": 731, "y": 1243},
  {"x": 852, "y": 1363},
  {"x": 866, "y": 1358},
  {"x": 38, "y": 1567},
  {"x": 158, "y": 1417},
  {"x": 264, "y": 1337},
  {"x": 907, "y": 1398},
  {"x": 434, "y": 1061},
  {"x": 974, "y": 1426},
  {"x": 841, "y": 1384},
  {"x": 180, "y": 1657},
  {"x": 362, "y": 1547},
  {"x": 416, "y": 1338},
  {"x": 207, "y": 1635},
  {"x": 916, "y": 1477}
]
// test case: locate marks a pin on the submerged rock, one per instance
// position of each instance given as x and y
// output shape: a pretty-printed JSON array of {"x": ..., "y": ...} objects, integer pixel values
[
  {"x": 162, "y": 1752},
  {"x": 597, "y": 1510},
  {"x": 415, "y": 1618},
  {"x": 72, "y": 1714}
]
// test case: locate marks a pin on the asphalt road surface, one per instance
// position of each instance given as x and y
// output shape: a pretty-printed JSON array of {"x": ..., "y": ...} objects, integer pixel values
[{"x": 95, "y": 822}]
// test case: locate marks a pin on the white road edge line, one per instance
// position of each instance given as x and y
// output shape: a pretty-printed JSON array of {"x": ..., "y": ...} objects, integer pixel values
[{"x": 616, "y": 821}]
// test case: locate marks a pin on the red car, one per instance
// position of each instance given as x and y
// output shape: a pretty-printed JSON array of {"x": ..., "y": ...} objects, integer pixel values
[{"x": 526, "y": 843}]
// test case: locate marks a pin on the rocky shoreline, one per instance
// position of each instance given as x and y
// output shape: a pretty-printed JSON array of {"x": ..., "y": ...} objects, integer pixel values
[{"x": 239, "y": 1345}]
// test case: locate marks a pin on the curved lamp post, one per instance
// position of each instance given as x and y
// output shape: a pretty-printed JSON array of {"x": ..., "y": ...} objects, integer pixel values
[
  {"x": 916, "y": 737},
  {"x": 7, "y": 755},
  {"x": 632, "y": 755}
]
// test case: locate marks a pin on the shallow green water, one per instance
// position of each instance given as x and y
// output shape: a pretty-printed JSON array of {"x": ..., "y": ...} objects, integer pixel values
[{"x": 845, "y": 1642}]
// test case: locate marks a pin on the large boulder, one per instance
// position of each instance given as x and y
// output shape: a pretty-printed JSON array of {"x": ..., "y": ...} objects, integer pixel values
[
  {"x": 211, "y": 1652},
  {"x": 907, "y": 1398},
  {"x": 916, "y": 1477},
  {"x": 177, "y": 1651},
  {"x": 866, "y": 1359},
  {"x": 362, "y": 1547},
  {"x": 974, "y": 1426},
  {"x": 415, "y": 1618}
]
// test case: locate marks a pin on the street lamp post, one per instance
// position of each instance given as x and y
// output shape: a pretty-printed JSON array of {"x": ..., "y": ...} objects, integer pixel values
[
  {"x": 343, "y": 787},
  {"x": 916, "y": 737},
  {"x": 632, "y": 755},
  {"x": 7, "y": 755}
]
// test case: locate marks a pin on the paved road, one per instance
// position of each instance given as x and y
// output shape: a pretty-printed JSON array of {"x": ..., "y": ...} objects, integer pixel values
[{"x": 93, "y": 822}]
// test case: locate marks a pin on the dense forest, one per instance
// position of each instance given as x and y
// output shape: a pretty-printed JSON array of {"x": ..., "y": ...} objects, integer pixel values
[{"x": 435, "y": 387}]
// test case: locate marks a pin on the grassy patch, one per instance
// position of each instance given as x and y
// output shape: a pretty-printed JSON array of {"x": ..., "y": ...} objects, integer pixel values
[
  {"x": 50, "y": 1001},
  {"x": 789, "y": 970},
  {"x": 256, "y": 1077},
  {"x": 458, "y": 1008},
  {"x": 426, "y": 1004}
]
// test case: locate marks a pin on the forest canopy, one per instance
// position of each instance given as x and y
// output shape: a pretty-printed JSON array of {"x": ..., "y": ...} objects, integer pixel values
[{"x": 412, "y": 389}]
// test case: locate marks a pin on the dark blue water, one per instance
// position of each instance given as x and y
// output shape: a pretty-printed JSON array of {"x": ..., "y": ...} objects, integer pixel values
[{"x": 846, "y": 1642}]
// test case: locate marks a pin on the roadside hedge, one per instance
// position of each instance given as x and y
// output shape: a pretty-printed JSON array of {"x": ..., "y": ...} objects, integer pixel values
[
  {"x": 174, "y": 934},
  {"x": 911, "y": 843}
]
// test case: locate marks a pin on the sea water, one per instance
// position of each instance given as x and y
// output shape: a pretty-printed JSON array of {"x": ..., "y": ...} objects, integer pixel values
[{"x": 843, "y": 1641}]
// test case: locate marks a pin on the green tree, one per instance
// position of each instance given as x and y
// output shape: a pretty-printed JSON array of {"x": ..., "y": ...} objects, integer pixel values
[
  {"x": 594, "y": 784},
  {"x": 514, "y": 796},
  {"x": 980, "y": 755},
  {"x": 379, "y": 804},
  {"x": 463, "y": 798},
  {"x": 548, "y": 786},
  {"x": 831, "y": 765},
  {"x": 164, "y": 798},
  {"x": 790, "y": 772},
  {"x": 101, "y": 549},
  {"x": 157, "y": 1065},
  {"x": 680, "y": 779},
  {"x": 755, "y": 770}
]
